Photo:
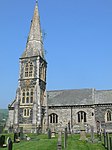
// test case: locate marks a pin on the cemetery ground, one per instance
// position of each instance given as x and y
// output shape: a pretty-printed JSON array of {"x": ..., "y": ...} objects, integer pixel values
[{"x": 41, "y": 142}]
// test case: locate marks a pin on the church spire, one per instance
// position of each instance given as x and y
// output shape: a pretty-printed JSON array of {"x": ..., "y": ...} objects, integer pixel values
[{"x": 34, "y": 44}]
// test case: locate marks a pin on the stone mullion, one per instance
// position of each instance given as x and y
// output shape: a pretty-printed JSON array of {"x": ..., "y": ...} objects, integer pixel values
[
  {"x": 80, "y": 116},
  {"x": 52, "y": 118}
]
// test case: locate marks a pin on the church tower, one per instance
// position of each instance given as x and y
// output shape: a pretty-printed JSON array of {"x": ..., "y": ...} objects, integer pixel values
[{"x": 29, "y": 108}]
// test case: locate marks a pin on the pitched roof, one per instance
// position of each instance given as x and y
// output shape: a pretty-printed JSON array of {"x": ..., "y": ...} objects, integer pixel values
[
  {"x": 70, "y": 97},
  {"x": 103, "y": 96}
]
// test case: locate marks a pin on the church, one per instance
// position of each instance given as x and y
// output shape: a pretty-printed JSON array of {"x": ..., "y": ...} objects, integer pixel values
[{"x": 34, "y": 108}]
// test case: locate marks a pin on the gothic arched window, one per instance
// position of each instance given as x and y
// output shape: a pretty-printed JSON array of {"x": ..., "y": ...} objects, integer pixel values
[
  {"x": 27, "y": 96},
  {"x": 29, "y": 69},
  {"x": 108, "y": 116},
  {"x": 81, "y": 116},
  {"x": 53, "y": 118},
  {"x": 26, "y": 112}
]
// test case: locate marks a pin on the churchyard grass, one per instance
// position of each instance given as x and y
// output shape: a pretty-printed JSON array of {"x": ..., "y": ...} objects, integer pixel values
[{"x": 41, "y": 142}]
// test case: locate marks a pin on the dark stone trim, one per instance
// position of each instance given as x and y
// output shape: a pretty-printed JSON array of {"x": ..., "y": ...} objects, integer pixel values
[
  {"x": 103, "y": 105},
  {"x": 29, "y": 57},
  {"x": 71, "y": 106},
  {"x": 27, "y": 79},
  {"x": 34, "y": 57}
]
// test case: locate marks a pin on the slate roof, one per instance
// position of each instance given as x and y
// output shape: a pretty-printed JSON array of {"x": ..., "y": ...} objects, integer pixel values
[
  {"x": 70, "y": 97},
  {"x": 103, "y": 97},
  {"x": 79, "y": 97}
]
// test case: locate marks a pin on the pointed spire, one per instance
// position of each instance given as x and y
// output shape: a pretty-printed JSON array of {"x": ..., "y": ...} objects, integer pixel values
[{"x": 34, "y": 44}]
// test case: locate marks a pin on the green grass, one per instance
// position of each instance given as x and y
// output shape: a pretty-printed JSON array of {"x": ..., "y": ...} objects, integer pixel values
[
  {"x": 75, "y": 144},
  {"x": 41, "y": 142}
]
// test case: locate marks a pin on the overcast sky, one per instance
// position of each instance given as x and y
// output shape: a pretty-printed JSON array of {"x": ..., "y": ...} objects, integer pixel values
[{"x": 78, "y": 43}]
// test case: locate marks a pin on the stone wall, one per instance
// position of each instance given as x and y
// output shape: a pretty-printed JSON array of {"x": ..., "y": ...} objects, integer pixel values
[
  {"x": 69, "y": 114},
  {"x": 100, "y": 115}
]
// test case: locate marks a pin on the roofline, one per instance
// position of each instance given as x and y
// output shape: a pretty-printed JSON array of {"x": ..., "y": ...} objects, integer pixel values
[{"x": 70, "y": 90}]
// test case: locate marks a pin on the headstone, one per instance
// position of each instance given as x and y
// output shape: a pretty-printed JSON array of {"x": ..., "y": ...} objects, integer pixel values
[
  {"x": 53, "y": 132},
  {"x": 2, "y": 141},
  {"x": 10, "y": 145},
  {"x": 49, "y": 133},
  {"x": 82, "y": 132},
  {"x": 59, "y": 144},
  {"x": 92, "y": 134},
  {"x": 65, "y": 137},
  {"x": 110, "y": 139},
  {"x": 105, "y": 142},
  {"x": 21, "y": 133},
  {"x": 107, "y": 139},
  {"x": 16, "y": 139}
]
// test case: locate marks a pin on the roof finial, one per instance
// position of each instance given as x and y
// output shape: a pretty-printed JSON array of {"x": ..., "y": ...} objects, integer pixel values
[{"x": 36, "y": 1}]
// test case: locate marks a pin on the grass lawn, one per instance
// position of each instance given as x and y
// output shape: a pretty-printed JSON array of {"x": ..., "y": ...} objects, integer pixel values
[{"x": 41, "y": 142}]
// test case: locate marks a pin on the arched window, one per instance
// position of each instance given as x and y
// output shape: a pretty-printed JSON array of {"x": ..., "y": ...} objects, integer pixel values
[
  {"x": 31, "y": 98},
  {"x": 108, "y": 116},
  {"x": 26, "y": 112},
  {"x": 27, "y": 96},
  {"x": 81, "y": 116},
  {"x": 53, "y": 118},
  {"x": 29, "y": 69},
  {"x": 26, "y": 70}
]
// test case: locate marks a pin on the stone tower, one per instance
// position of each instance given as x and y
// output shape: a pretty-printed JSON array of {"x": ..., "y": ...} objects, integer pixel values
[{"x": 29, "y": 108}]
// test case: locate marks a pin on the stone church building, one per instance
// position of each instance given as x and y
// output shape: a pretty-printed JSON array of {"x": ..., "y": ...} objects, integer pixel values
[{"x": 35, "y": 108}]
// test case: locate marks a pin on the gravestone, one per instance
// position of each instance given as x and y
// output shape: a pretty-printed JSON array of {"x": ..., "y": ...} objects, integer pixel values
[
  {"x": 65, "y": 137},
  {"x": 92, "y": 134},
  {"x": 2, "y": 141},
  {"x": 59, "y": 144},
  {"x": 110, "y": 139},
  {"x": 49, "y": 133},
  {"x": 53, "y": 132},
  {"x": 16, "y": 139},
  {"x": 82, "y": 132},
  {"x": 10, "y": 145},
  {"x": 105, "y": 141},
  {"x": 21, "y": 133}
]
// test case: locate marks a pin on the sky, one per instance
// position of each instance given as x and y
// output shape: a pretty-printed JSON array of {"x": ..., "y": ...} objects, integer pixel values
[{"x": 77, "y": 42}]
